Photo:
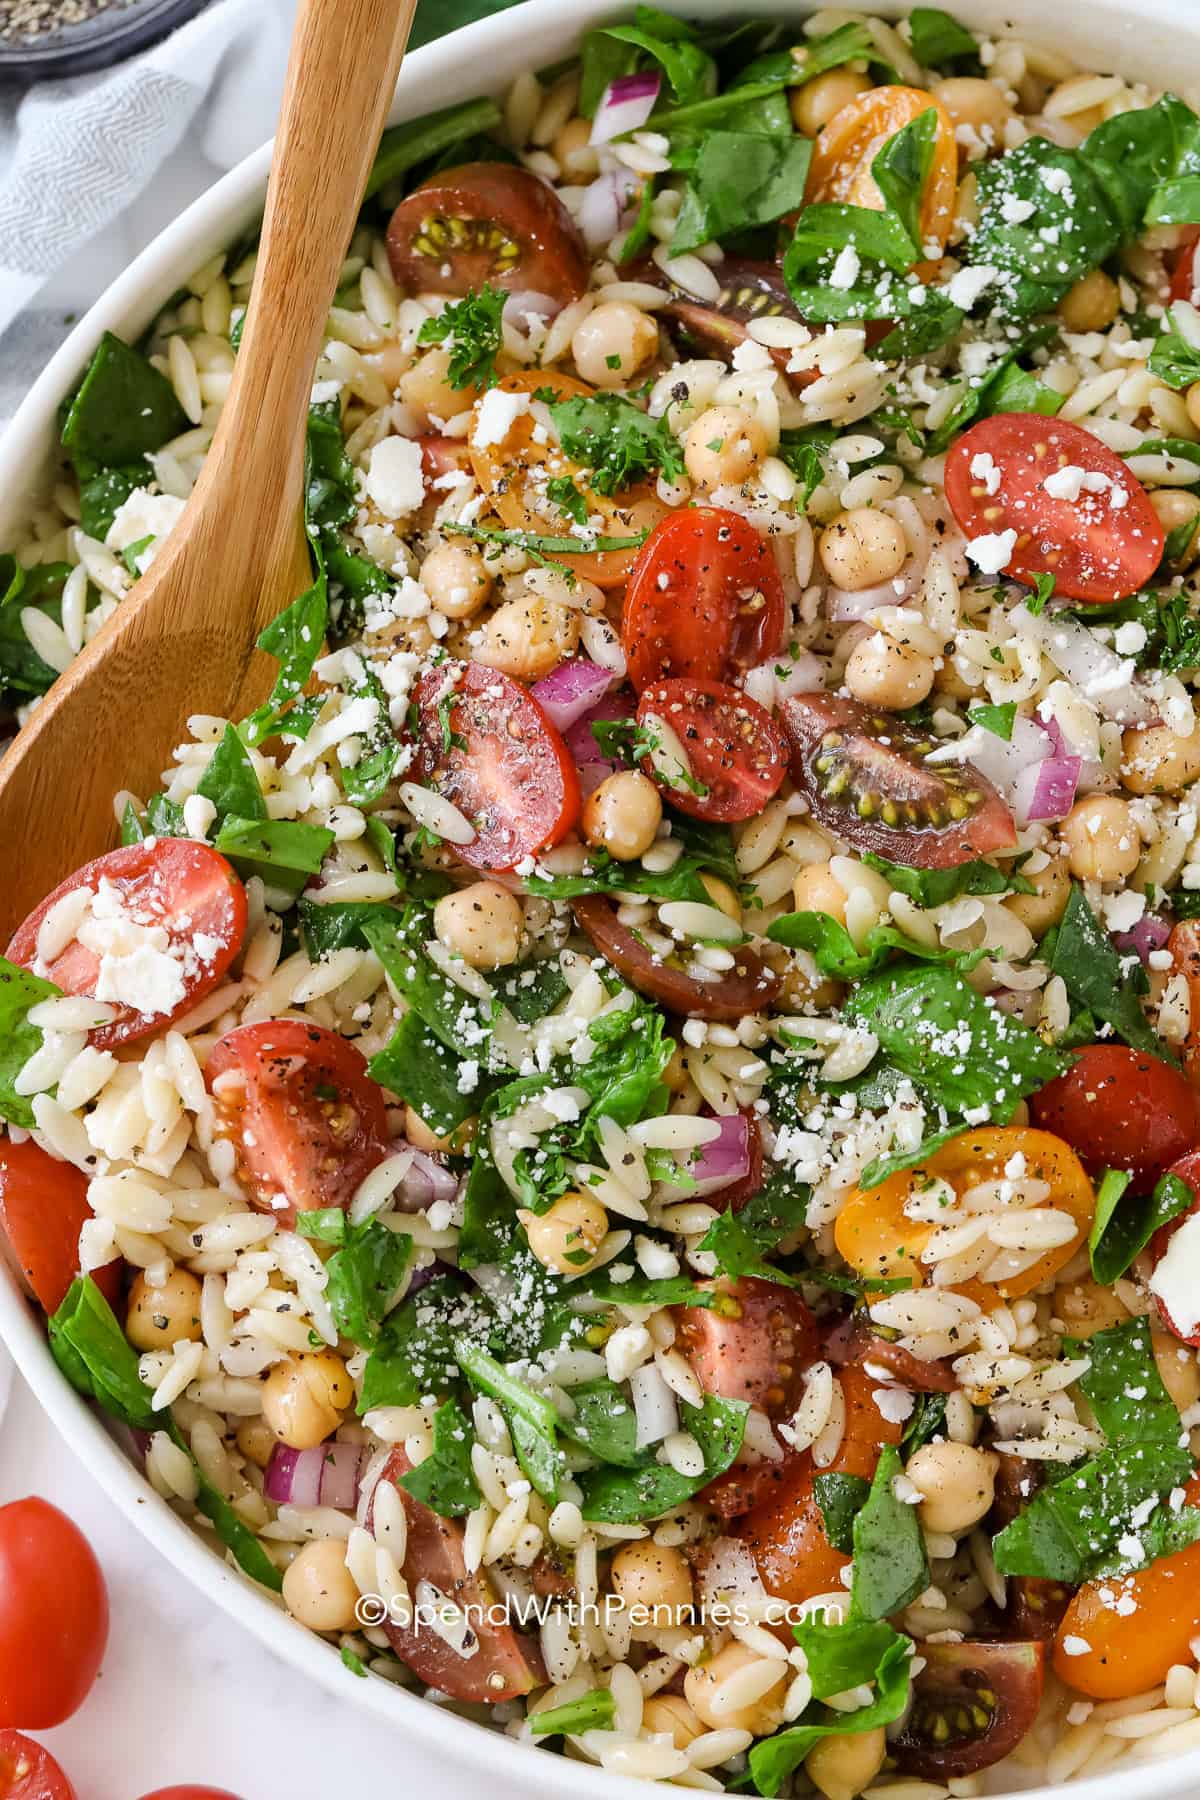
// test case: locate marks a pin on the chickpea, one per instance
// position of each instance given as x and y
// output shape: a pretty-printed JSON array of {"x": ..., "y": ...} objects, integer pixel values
[
  {"x": 840, "y": 1767},
  {"x": 817, "y": 889},
  {"x": 572, "y": 149},
  {"x": 567, "y": 1236},
  {"x": 1101, "y": 839},
  {"x": 482, "y": 923},
  {"x": 303, "y": 1399},
  {"x": 814, "y": 104},
  {"x": 881, "y": 672},
  {"x": 702, "y": 1690},
  {"x": 958, "y": 1482},
  {"x": 612, "y": 343},
  {"x": 318, "y": 1588},
  {"x": 861, "y": 548},
  {"x": 256, "y": 1441},
  {"x": 422, "y": 1138},
  {"x": 622, "y": 815},
  {"x": 801, "y": 984},
  {"x": 1174, "y": 508},
  {"x": 1092, "y": 304},
  {"x": 722, "y": 897},
  {"x": 1157, "y": 760},
  {"x": 1038, "y": 912},
  {"x": 724, "y": 446},
  {"x": 1192, "y": 402},
  {"x": 457, "y": 580},
  {"x": 1085, "y": 1308},
  {"x": 1177, "y": 1366},
  {"x": 411, "y": 636},
  {"x": 426, "y": 389},
  {"x": 671, "y": 1716},
  {"x": 528, "y": 637},
  {"x": 161, "y": 1316},
  {"x": 977, "y": 104},
  {"x": 656, "y": 1580}
]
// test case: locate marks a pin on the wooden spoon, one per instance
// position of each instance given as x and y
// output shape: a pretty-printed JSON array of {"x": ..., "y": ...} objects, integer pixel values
[{"x": 183, "y": 640}]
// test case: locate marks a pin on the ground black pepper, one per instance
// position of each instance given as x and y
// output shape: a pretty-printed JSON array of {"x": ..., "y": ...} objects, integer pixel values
[{"x": 25, "y": 21}]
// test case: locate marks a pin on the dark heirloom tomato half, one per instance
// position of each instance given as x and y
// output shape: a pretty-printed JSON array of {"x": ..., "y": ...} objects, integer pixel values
[
  {"x": 501, "y": 1666},
  {"x": 1099, "y": 537},
  {"x": 749, "y": 291},
  {"x": 1184, "y": 945},
  {"x": 1121, "y": 1109},
  {"x": 307, "y": 1121},
  {"x": 43, "y": 1205},
  {"x": 704, "y": 599},
  {"x": 1034, "y": 1606},
  {"x": 486, "y": 745},
  {"x": 972, "y": 1703},
  {"x": 753, "y": 1345},
  {"x": 748, "y": 987},
  {"x": 866, "y": 776},
  {"x": 486, "y": 222},
  {"x": 735, "y": 751}
]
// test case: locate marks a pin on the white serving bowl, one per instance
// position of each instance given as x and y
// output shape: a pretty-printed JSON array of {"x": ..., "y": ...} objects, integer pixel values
[{"x": 1141, "y": 38}]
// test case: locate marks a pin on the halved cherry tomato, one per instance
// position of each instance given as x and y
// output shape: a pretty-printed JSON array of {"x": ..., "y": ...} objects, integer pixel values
[
  {"x": 972, "y": 1703},
  {"x": 877, "y": 1237},
  {"x": 307, "y": 1121},
  {"x": 1103, "y": 544},
  {"x": 1184, "y": 283},
  {"x": 43, "y": 1207},
  {"x": 27, "y": 1772},
  {"x": 486, "y": 222},
  {"x": 704, "y": 600},
  {"x": 1184, "y": 946},
  {"x": 748, "y": 987},
  {"x": 513, "y": 474},
  {"x": 1121, "y": 1109},
  {"x": 749, "y": 291},
  {"x": 53, "y": 1615},
  {"x": 735, "y": 751},
  {"x": 1187, "y": 1170},
  {"x": 753, "y": 1345},
  {"x": 185, "y": 887},
  {"x": 1135, "y": 1626},
  {"x": 484, "y": 743},
  {"x": 866, "y": 777},
  {"x": 1034, "y": 1606},
  {"x": 847, "y": 146},
  {"x": 502, "y": 1666},
  {"x": 441, "y": 456},
  {"x": 923, "y": 1374},
  {"x": 785, "y": 1532}
]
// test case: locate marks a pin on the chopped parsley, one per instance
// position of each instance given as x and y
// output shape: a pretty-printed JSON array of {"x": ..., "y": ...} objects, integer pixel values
[{"x": 470, "y": 329}]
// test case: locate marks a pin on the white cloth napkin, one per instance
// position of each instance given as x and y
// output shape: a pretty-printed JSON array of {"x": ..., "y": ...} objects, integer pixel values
[{"x": 77, "y": 154}]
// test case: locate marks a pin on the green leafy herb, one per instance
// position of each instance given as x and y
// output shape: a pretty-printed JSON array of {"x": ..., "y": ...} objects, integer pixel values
[
  {"x": 605, "y": 1424},
  {"x": 405, "y": 146},
  {"x": 101, "y": 497},
  {"x": 415, "y": 1354},
  {"x": 337, "y": 925},
  {"x": 1123, "y": 1227},
  {"x": 614, "y": 439},
  {"x": 123, "y": 409},
  {"x": 996, "y": 719},
  {"x": 626, "y": 1496},
  {"x": 365, "y": 1275},
  {"x": 532, "y": 989},
  {"x": 470, "y": 329},
  {"x": 890, "y": 1565},
  {"x": 940, "y": 42},
  {"x": 1173, "y": 358},
  {"x": 444, "y": 1480},
  {"x": 671, "y": 43},
  {"x": 20, "y": 991},
  {"x": 934, "y": 887},
  {"x": 532, "y": 1420},
  {"x": 562, "y": 492},
  {"x": 22, "y": 670},
  {"x": 284, "y": 852},
  {"x": 539, "y": 547},
  {"x": 834, "y": 951},
  {"x": 738, "y": 180},
  {"x": 353, "y": 1663},
  {"x": 434, "y": 1080},
  {"x": 927, "y": 1419},
  {"x": 462, "y": 1022},
  {"x": 742, "y": 1241},
  {"x": 841, "y": 1498},
  {"x": 1083, "y": 955},
  {"x": 593, "y": 1711},
  {"x": 230, "y": 782}
]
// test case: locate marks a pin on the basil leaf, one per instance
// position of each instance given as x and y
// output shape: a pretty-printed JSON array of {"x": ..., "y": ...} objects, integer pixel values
[
  {"x": 1092, "y": 971},
  {"x": 627, "y": 1496},
  {"x": 444, "y": 1481},
  {"x": 1120, "y": 1231},
  {"x": 841, "y": 1498},
  {"x": 1124, "y": 1388},
  {"x": 462, "y": 1022},
  {"x": 230, "y": 783},
  {"x": 237, "y": 1537},
  {"x": 593, "y": 1711},
  {"x": 890, "y": 1565},
  {"x": 739, "y": 180},
  {"x": 901, "y": 170},
  {"x": 20, "y": 991}
]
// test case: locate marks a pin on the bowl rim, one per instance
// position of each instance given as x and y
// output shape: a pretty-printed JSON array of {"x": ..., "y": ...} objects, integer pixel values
[{"x": 211, "y": 222}]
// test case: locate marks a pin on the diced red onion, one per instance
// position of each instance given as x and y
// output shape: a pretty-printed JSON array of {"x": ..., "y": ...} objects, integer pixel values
[
  {"x": 325, "y": 1476},
  {"x": 1047, "y": 789},
  {"x": 520, "y": 308},
  {"x": 1150, "y": 933},
  {"x": 625, "y": 104},
  {"x": 844, "y": 605},
  {"x": 425, "y": 1180},
  {"x": 1093, "y": 667},
  {"x": 725, "y": 1159},
  {"x": 1090, "y": 770},
  {"x": 572, "y": 690},
  {"x": 339, "y": 1476},
  {"x": 604, "y": 207}
]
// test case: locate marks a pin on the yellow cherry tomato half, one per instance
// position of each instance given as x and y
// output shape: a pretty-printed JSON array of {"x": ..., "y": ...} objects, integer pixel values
[
  {"x": 878, "y": 1234},
  {"x": 845, "y": 149}
]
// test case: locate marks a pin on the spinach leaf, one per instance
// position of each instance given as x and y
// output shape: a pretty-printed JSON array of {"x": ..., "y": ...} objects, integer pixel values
[
  {"x": 690, "y": 71},
  {"x": 1123, "y": 1227},
  {"x": 627, "y": 1496},
  {"x": 841, "y": 1498},
  {"x": 248, "y": 1553},
  {"x": 22, "y": 670},
  {"x": 1092, "y": 970},
  {"x": 1173, "y": 358},
  {"x": 738, "y": 180},
  {"x": 230, "y": 782},
  {"x": 604, "y": 1423},
  {"x": 470, "y": 328},
  {"x": 614, "y": 439},
  {"x": 107, "y": 491},
  {"x": 881, "y": 1167},
  {"x": 338, "y": 924},
  {"x": 742, "y": 1241},
  {"x": 890, "y": 1565},
  {"x": 122, "y": 409},
  {"x": 1123, "y": 1385},
  {"x": 365, "y": 780},
  {"x": 20, "y": 991},
  {"x": 532, "y": 1420},
  {"x": 444, "y": 1480},
  {"x": 934, "y": 887},
  {"x": 618, "y": 1283},
  {"x": 593, "y": 1711},
  {"x": 834, "y": 952},
  {"x": 283, "y": 852},
  {"x": 603, "y": 874},
  {"x": 940, "y": 42},
  {"x": 765, "y": 79},
  {"x": 926, "y": 1420},
  {"x": 444, "y": 1089},
  {"x": 405, "y": 146},
  {"x": 858, "y": 1648},
  {"x": 458, "y": 1019},
  {"x": 532, "y": 989},
  {"x": 415, "y": 1357},
  {"x": 294, "y": 639},
  {"x": 364, "y": 1278}
]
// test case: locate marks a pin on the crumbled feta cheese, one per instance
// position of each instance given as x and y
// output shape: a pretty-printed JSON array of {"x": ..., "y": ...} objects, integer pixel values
[
  {"x": 1129, "y": 638},
  {"x": 1015, "y": 211},
  {"x": 845, "y": 270},
  {"x": 984, "y": 469},
  {"x": 992, "y": 551},
  {"x": 143, "y": 515},
  {"x": 1176, "y": 1278},
  {"x": 966, "y": 285},
  {"x": 1076, "y": 1646},
  {"x": 1122, "y": 911},
  {"x": 395, "y": 480},
  {"x": 496, "y": 415}
]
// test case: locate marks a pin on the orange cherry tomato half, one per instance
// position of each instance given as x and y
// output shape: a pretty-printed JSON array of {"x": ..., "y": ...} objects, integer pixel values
[
  {"x": 1134, "y": 1626},
  {"x": 505, "y": 765},
  {"x": 876, "y": 1235},
  {"x": 847, "y": 146},
  {"x": 503, "y": 1665},
  {"x": 754, "y": 1345},
  {"x": 184, "y": 887},
  {"x": 486, "y": 222},
  {"x": 704, "y": 599},
  {"x": 27, "y": 1772},
  {"x": 53, "y": 1615},
  {"x": 1099, "y": 542},
  {"x": 866, "y": 778},
  {"x": 748, "y": 987},
  {"x": 43, "y": 1207},
  {"x": 307, "y": 1121},
  {"x": 513, "y": 474},
  {"x": 736, "y": 754},
  {"x": 1187, "y": 1170},
  {"x": 785, "y": 1531},
  {"x": 1121, "y": 1109}
]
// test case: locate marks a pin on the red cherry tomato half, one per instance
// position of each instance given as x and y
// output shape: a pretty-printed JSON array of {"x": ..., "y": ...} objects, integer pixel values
[
  {"x": 866, "y": 777},
  {"x": 1121, "y": 1109},
  {"x": 753, "y": 1345},
  {"x": 749, "y": 986},
  {"x": 43, "y": 1206},
  {"x": 503, "y": 1665},
  {"x": 484, "y": 743},
  {"x": 972, "y": 1703},
  {"x": 308, "y": 1122},
  {"x": 190, "y": 1793},
  {"x": 486, "y": 222},
  {"x": 27, "y": 1772},
  {"x": 704, "y": 599},
  {"x": 1188, "y": 1171},
  {"x": 442, "y": 456},
  {"x": 736, "y": 754},
  {"x": 1184, "y": 275},
  {"x": 188, "y": 889},
  {"x": 1099, "y": 542},
  {"x": 53, "y": 1615}
]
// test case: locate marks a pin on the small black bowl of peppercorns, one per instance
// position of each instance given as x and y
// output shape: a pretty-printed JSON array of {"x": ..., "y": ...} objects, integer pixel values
[{"x": 44, "y": 38}]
